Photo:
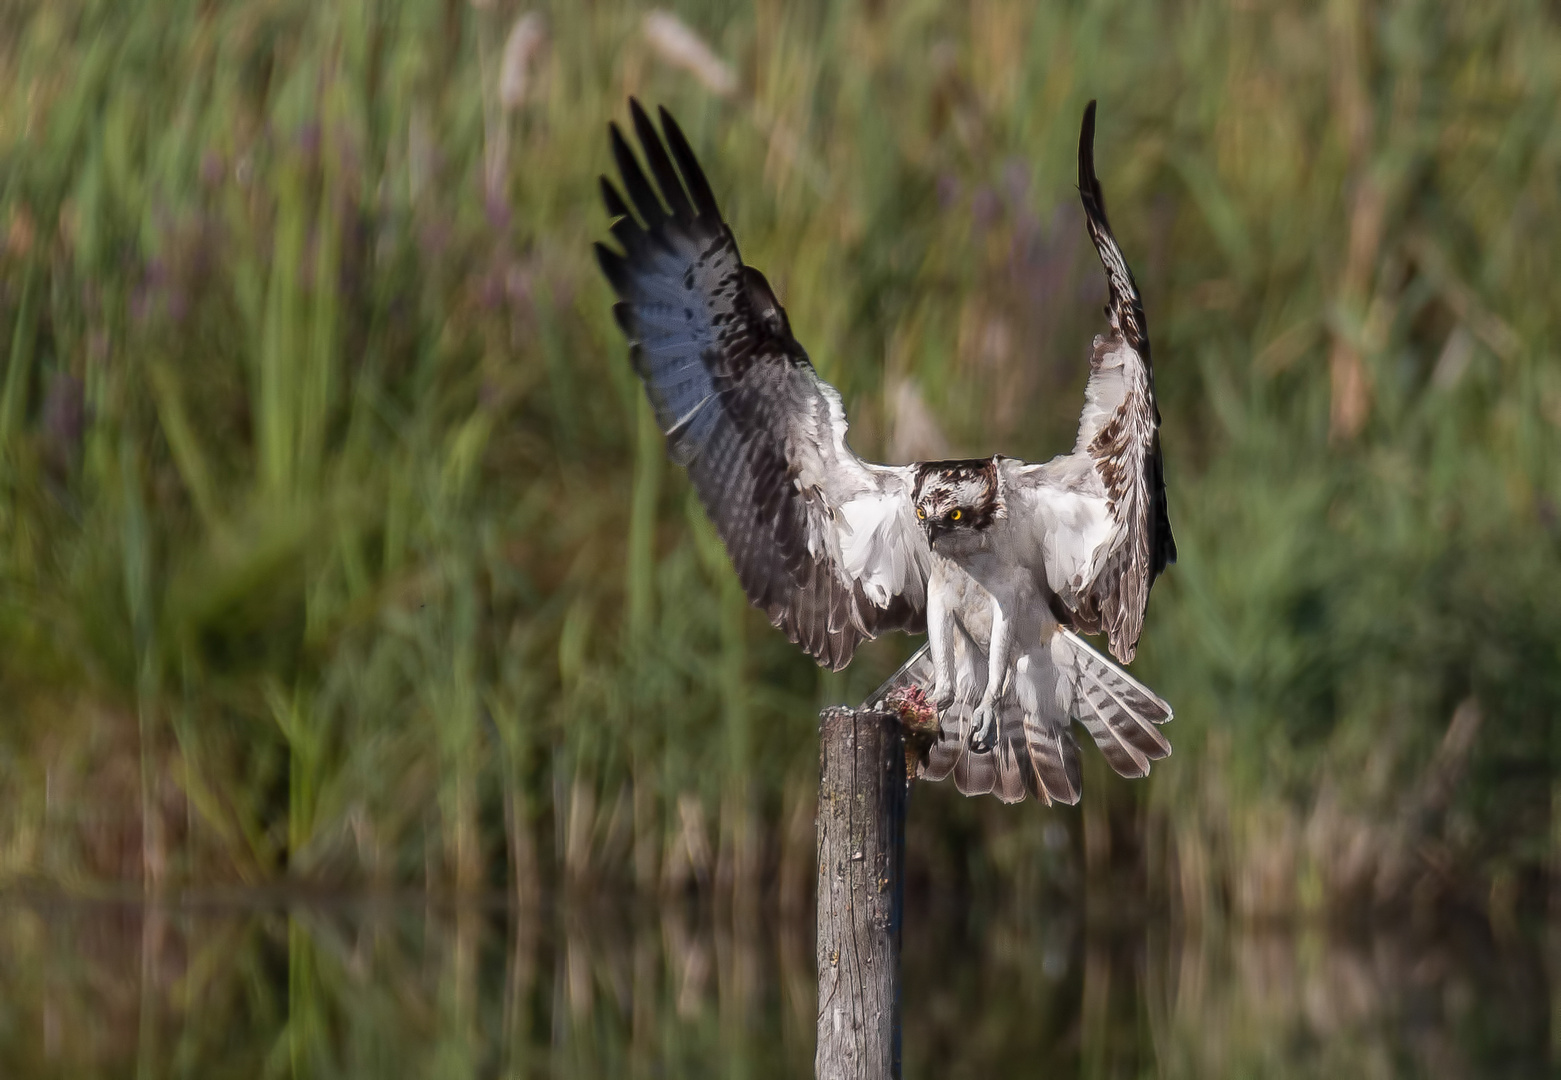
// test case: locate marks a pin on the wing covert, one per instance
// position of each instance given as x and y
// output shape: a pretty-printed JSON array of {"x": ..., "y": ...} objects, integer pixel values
[{"x": 827, "y": 545}]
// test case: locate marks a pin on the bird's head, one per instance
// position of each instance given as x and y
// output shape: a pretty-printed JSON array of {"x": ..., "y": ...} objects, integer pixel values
[{"x": 956, "y": 502}]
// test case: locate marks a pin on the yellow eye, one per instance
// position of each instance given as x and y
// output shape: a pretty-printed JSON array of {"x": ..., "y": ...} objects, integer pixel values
[
  {"x": 955, "y": 516},
  {"x": 920, "y": 513}
]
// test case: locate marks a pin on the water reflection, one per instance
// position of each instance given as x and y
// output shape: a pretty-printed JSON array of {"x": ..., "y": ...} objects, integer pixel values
[{"x": 586, "y": 989}]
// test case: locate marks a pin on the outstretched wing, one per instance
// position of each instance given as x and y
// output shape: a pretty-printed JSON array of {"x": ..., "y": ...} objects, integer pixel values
[
  {"x": 1100, "y": 512},
  {"x": 827, "y": 545}
]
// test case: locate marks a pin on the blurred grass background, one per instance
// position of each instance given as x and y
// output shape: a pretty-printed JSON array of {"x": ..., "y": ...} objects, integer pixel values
[
  {"x": 337, "y": 545},
  {"x": 361, "y": 987}
]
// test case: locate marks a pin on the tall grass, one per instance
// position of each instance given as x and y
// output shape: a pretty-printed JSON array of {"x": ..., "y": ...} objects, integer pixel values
[{"x": 336, "y": 542}]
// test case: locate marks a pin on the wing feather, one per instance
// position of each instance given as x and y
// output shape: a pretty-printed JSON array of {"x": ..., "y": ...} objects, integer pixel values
[
  {"x": 826, "y": 544},
  {"x": 1054, "y": 759},
  {"x": 616, "y": 207},
  {"x": 1099, "y": 514},
  {"x": 667, "y": 179},
  {"x": 636, "y": 183},
  {"x": 693, "y": 176}
]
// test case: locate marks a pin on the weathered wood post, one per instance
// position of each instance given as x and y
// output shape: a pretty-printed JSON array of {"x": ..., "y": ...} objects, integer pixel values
[{"x": 861, "y": 890}]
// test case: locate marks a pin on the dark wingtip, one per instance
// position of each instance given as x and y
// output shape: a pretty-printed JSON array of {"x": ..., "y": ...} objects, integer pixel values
[
  {"x": 613, "y": 267},
  {"x": 619, "y": 145},
  {"x": 612, "y": 199},
  {"x": 661, "y": 167},
  {"x": 635, "y": 183},
  {"x": 693, "y": 176},
  {"x": 623, "y": 315},
  {"x": 1089, "y": 184},
  {"x": 669, "y": 124}
]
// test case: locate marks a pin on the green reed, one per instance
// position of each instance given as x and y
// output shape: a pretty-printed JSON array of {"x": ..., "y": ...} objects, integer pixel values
[{"x": 328, "y": 499}]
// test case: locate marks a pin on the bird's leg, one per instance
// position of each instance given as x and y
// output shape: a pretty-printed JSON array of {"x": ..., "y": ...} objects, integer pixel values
[
  {"x": 983, "y": 732},
  {"x": 940, "y": 639}
]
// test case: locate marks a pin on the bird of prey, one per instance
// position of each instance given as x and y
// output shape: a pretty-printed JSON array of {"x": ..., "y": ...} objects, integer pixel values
[{"x": 1003, "y": 563}]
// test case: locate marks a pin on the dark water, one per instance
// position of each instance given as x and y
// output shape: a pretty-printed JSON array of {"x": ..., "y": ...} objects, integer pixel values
[{"x": 391, "y": 988}]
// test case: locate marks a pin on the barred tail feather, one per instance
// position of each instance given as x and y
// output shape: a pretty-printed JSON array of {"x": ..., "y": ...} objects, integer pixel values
[
  {"x": 1053, "y": 758},
  {"x": 999, "y": 771},
  {"x": 1118, "y": 711},
  {"x": 1036, "y": 753}
]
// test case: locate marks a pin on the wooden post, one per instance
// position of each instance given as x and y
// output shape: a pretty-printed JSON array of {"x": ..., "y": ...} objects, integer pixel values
[{"x": 861, "y": 891}]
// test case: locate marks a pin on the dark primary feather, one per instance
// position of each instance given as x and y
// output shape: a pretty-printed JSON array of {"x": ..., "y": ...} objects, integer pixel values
[
  {"x": 731, "y": 388},
  {"x": 1123, "y": 292}
]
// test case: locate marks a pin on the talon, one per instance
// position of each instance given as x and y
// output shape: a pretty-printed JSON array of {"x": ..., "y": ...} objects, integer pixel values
[
  {"x": 983, "y": 731},
  {"x": 942, "y": 697}
]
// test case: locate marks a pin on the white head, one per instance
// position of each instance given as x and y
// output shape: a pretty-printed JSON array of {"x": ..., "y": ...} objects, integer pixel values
[{"x": 956, "y": 503}]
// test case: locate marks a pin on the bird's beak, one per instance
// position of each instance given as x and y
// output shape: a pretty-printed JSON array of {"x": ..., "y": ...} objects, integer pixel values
[{"x": 933, "y": 529}]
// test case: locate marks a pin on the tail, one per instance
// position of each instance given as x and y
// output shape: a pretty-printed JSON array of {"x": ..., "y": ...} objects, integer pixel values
[
  {"x": 1004, "y": 770},
  {"x": 1008, "y": 770},
  {"x": 1119, "y": 712},
  {"x": 1036, "y": 754}
]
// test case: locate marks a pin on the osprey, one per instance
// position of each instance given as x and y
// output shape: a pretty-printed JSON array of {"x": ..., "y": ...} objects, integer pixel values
[{"x": 1003, "y": 563}]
